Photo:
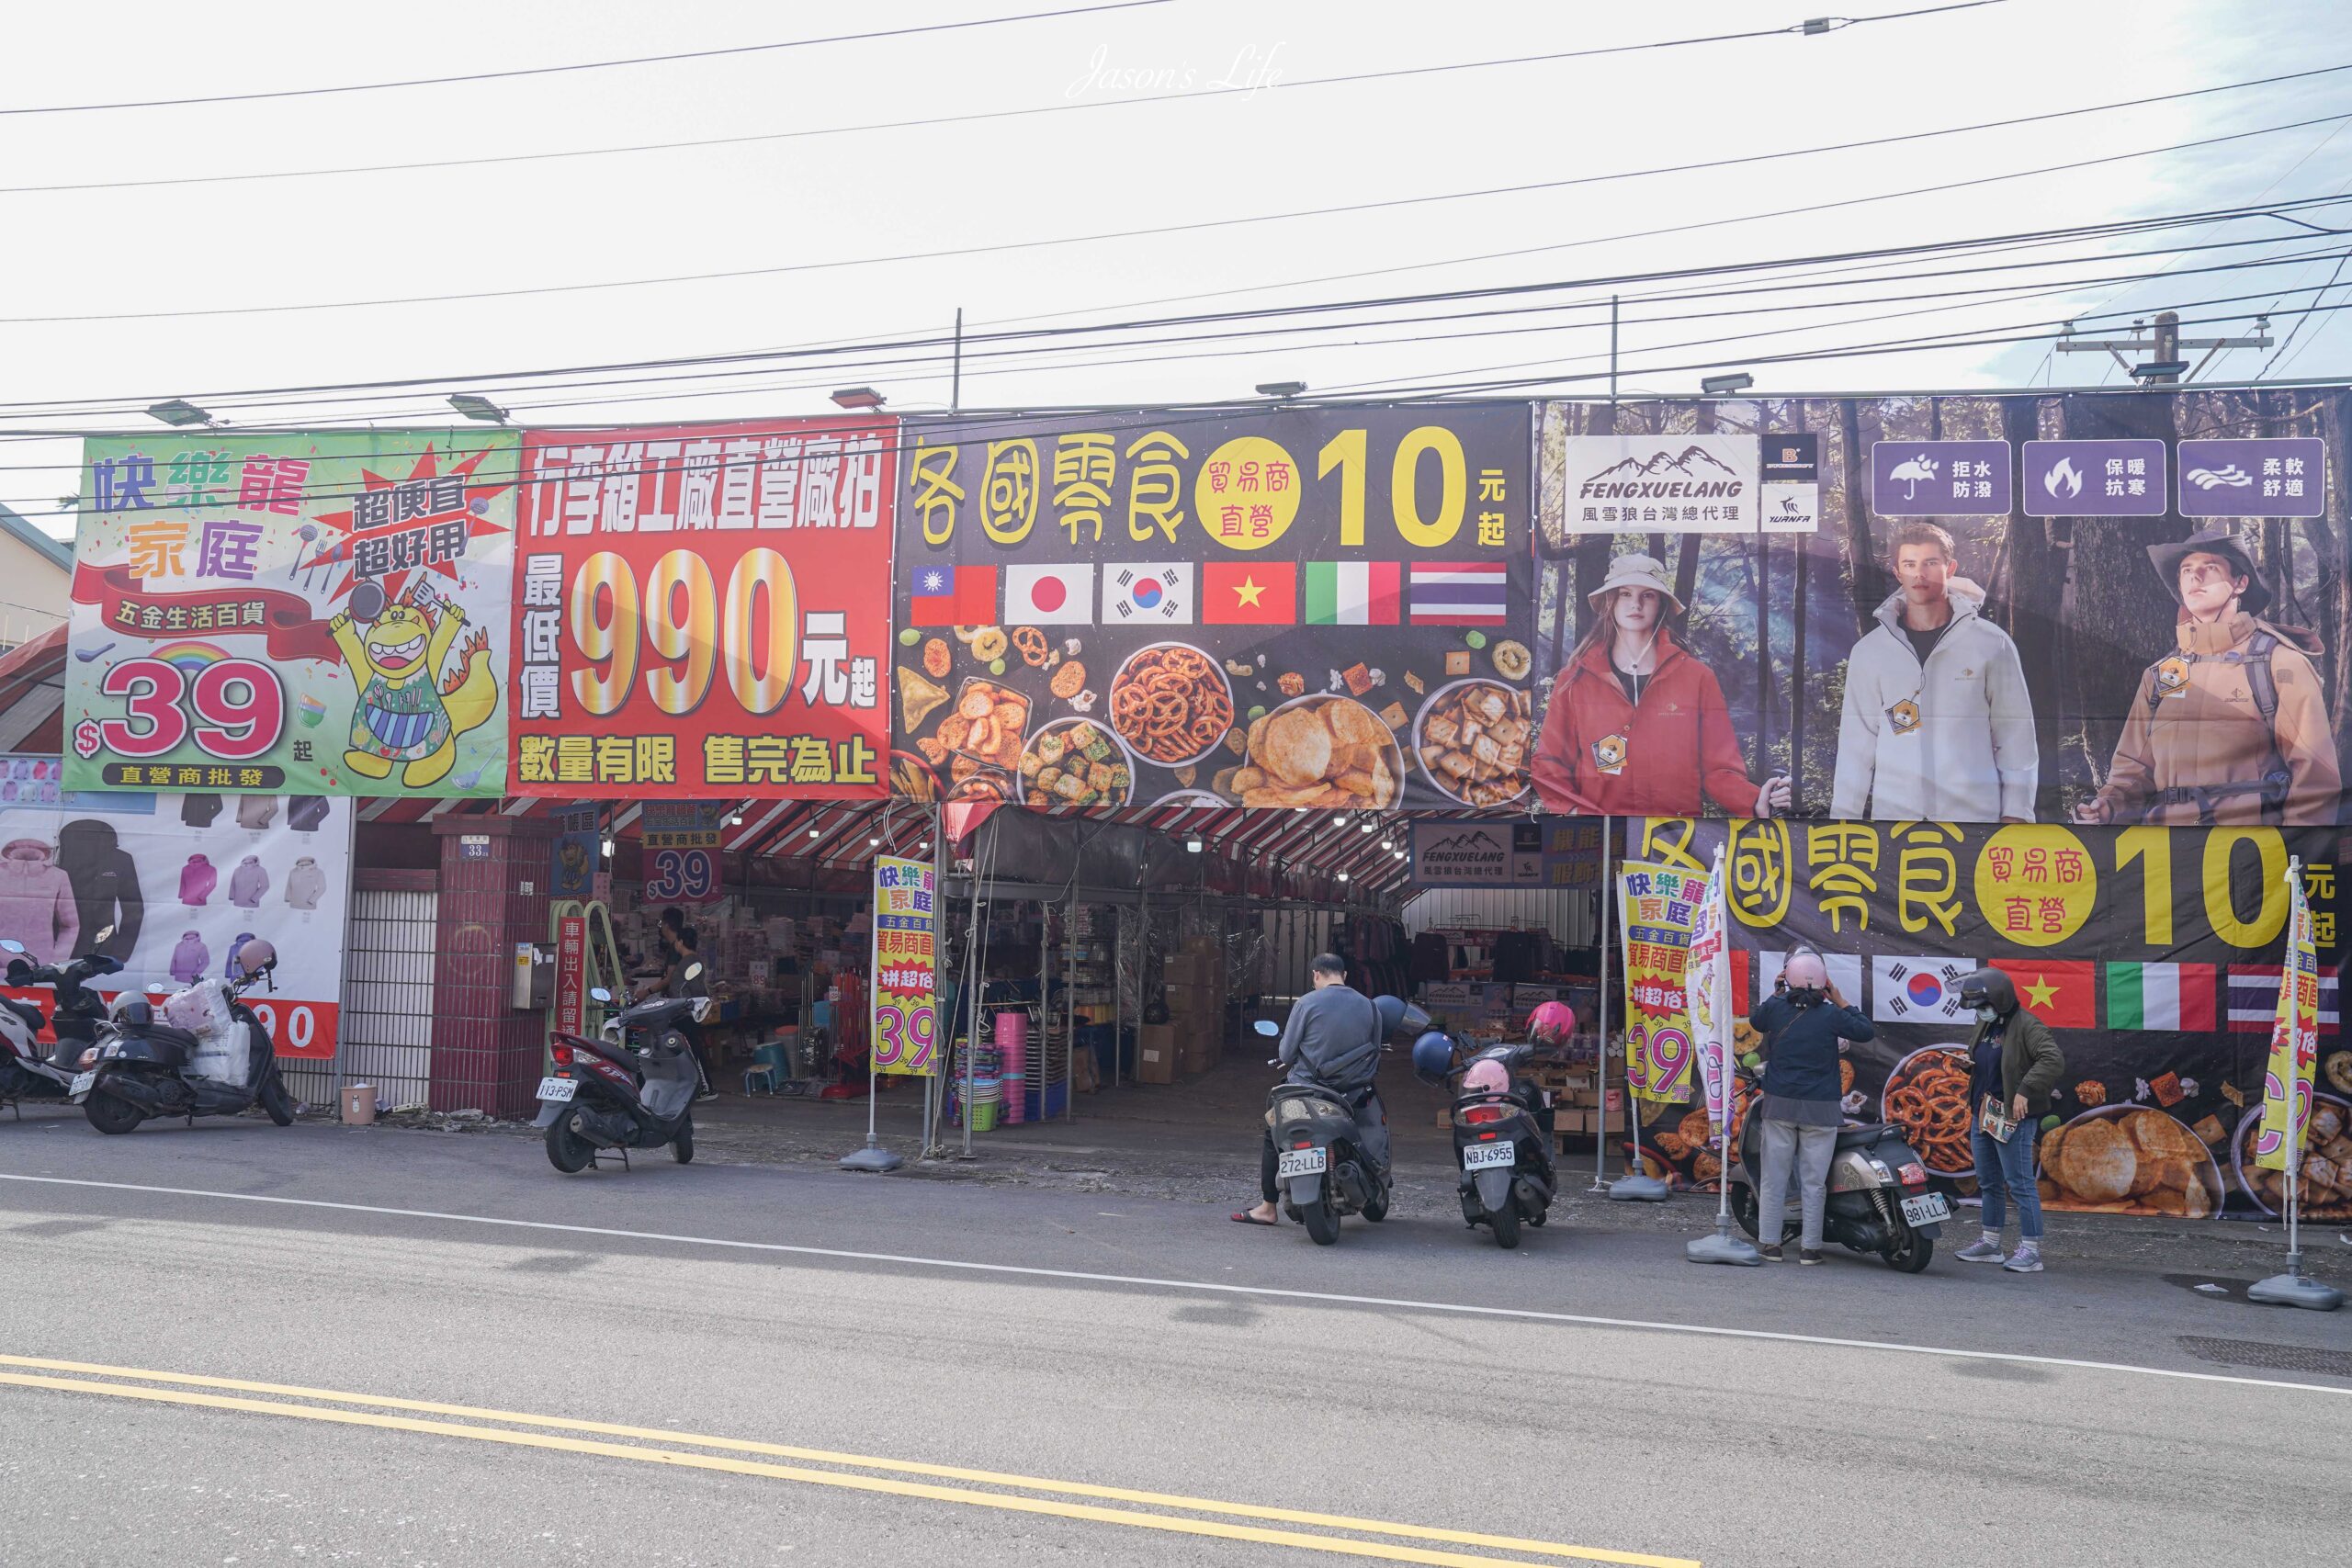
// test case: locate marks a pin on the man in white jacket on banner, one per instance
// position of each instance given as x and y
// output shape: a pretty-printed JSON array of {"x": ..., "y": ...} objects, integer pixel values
[{"x": 1938, "y": 722}]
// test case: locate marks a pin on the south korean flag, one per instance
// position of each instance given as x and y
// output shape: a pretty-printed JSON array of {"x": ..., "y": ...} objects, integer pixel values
[
  {"x": 1148, "y": 593},
  {"x": 1918, "y": 990}
]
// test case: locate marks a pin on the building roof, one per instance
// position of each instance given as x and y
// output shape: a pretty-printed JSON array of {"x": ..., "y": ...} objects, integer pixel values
[{"x": 58, "y": 551}]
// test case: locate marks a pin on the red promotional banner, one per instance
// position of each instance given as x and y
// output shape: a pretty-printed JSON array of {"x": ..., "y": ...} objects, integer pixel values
[{"x": 704, "y": 610}]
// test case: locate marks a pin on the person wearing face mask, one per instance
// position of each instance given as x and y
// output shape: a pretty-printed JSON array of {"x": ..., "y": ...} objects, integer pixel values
[
  {"x": 1938, "y": 722},
  {"x": 1637, "y": 724},
  {"x": 1805, "y": 1022},
  {"x": 2230, "y": 725},
  {"x": 2014, "y": 1063}
]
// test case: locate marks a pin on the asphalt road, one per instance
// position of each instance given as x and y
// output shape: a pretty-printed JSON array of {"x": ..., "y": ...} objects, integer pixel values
[{"x": 253, "y": 1361}]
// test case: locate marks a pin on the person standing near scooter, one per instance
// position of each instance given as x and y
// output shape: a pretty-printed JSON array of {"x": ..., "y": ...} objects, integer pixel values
[
  {"x": 1802, "y": 1021},
  {"x": 1333, "y": 1038},
  {"x": 2014, "y": 1064}
]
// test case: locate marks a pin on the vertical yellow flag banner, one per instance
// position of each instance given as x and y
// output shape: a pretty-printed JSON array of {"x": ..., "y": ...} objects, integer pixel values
[
  {"x": 906, "y": 966},
  {"x": 1656, "y": 907},
  {"x": 2294, "y": 1039}
]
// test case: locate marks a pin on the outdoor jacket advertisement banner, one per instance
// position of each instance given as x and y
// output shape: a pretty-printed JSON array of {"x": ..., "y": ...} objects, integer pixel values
[
  {"x": 323, "y": 613},
  {"x": 2154, "y": 956},
  {"x": 174, "y": 885},
  {"x": 705, "y": 610},
  {"x": 2126, "y": 607},
  {"x": 1314, "y": 608}
]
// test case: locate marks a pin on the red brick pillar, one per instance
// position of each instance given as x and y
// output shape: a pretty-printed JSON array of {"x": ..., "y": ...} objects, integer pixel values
[{"x": 494, "y": 870}]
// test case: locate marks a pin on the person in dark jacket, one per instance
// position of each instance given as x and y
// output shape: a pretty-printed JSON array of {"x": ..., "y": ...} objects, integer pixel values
[
  {"x": 105, "y": 887},
  {"x": 2013, "y": 1060},
  {"x": 1805, "y": 1022},
  {"x": 1333, "y": 1039}
]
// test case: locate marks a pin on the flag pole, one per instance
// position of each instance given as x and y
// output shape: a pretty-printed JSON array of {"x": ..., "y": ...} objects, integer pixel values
[
  {"x": 1637, "y": 1185},
  {"x": 2292, "y": 1289},
  {"x": 1723, "y": 1247},
  {"x": 1600, "y": 1054}
]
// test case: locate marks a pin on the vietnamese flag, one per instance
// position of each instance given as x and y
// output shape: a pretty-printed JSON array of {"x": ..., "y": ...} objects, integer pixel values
[
  {"x": 2060, "y": 994},
  {"x": 953, "y": 596},
  {"x": 1252, "y": 593}
]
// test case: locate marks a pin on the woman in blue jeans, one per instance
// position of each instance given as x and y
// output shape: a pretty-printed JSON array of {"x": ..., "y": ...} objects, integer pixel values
[{"x": 2013, "y": 1060}]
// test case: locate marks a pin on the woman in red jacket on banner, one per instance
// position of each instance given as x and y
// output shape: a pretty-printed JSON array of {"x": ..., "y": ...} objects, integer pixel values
[{"x": 1637, "y": 724}]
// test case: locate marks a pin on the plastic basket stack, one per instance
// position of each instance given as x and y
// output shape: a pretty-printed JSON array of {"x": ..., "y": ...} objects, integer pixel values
[
  {"x": 985, "y": 1105},
  {"x": 1012, "y": 1055}
]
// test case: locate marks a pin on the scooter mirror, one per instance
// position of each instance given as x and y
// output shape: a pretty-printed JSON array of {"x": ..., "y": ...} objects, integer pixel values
[
  {"x": 157, "y": 988},
  {"x": 103, "y": 933},
  {"x": 600, "y": 994},
  {"x": 693, "y": 972},
  {"x": 10, "y": 945},
  {"x": 1267, "y": 1027}
]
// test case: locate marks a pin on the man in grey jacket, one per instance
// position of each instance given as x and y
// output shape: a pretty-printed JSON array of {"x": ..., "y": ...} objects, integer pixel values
[
  {"x": 1333, "y": 1039},
  {"x": 1938, "y": 722}
]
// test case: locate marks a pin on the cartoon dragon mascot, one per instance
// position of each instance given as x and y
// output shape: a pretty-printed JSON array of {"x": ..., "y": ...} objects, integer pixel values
[{"x": 405, "y": 713}]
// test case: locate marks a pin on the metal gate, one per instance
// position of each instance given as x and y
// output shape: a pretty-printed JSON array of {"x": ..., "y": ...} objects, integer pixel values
[{"x": 387, "y": 1019}]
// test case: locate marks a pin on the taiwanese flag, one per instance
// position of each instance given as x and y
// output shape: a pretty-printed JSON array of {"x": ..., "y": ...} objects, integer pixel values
[
  {"x": 953, "y": 596},
  {"x": 1249, "y": 593},
  {"x": 2062, "y": 995}
]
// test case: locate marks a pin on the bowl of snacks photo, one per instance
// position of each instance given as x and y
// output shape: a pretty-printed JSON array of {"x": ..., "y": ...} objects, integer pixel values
[
  {"x": 1474, "y": 740},
  {"x": 1320, "y": 750},
  {"x": 1927, "y": 1096},
  {"x": 2129, "y": 1159},
  {"x": 982, "y": 727},
  {"x": 1076, "y": 761},
  {"x": 1170, "y": 704},
  {"x": 2324, "y": 1188},
  {"x": 912, "y": 778}
]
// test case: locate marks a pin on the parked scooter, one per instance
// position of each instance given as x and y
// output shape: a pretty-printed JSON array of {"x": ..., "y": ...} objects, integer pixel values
[
  {"x": 1879, "y": 1199},
  {"x": 634, "y": 1089},
  {"x": 1322, "y": 1166},
  {"x": 153, "y": 1066},
  {"x": 1502, "y": 1134},
  {"x": 26, "y": 1072}
]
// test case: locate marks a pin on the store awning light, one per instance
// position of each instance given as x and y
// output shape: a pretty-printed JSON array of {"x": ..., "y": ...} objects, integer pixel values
[
  {"x": 1344, "y": 877},
  {"x": 816, "y": 834},
  {"x": 608, "y": 848},
  {"x": 1192, "y": 845},
  {"x": 873, "y": 843},
  {"x": 1370, "y": 827}
]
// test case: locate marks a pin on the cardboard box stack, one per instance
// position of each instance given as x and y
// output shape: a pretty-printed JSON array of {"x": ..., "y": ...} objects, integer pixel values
[{"x": 1195, "y": 978}]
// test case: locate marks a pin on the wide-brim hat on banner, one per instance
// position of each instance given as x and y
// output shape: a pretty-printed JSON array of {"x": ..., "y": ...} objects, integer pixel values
[
  {"x": 1636, "y": 572},
  {"x": 2219, "y": 542}
]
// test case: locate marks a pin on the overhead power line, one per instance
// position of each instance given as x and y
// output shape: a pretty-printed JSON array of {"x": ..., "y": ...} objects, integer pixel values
[
  {"x": 582, "y": 65},
  {"x": 1384, "y": 204}
]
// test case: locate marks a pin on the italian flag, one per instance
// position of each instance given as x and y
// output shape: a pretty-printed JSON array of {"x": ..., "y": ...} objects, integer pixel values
[
  {"x": 2177, "y": 996},
  {"x": 1351, "y": 593}
]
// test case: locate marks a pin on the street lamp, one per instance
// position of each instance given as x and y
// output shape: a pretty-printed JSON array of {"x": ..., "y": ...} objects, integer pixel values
[
  {"x": 2160, "y": 371},
  {"x": 178, "y": 411},
  {"x": 481, "y": 408},
  {"x": 858, "y": 397},
  {"x": 1720, "y": 386},
  {"x": 1280, "y": 388}
]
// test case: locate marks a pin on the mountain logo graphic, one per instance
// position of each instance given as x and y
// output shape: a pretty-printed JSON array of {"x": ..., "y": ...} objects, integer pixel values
[
  {"x": 1692, "y": 462},
  {"x": 1474, "y": 840}
]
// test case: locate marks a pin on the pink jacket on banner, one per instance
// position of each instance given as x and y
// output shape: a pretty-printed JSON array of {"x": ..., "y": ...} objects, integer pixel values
[
  {"x": 248, "y": 884},
  {"x": 196, "y": 881},
  {"x": 37, "y": 904},
  {"x": 190, "y": 958},
  {"x": 305, "y": 883}
]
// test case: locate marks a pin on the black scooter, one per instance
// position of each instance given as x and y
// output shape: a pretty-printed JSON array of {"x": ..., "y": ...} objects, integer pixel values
[
  {"x": 1321, "y": 1167},
  {"x": 1879, "y": 1199},
  {"x": 633, "y": 1090},
  {"x": 146, "y": 1068},
  {"x": 1502, "y": 1141},
  {"x": 26, "y": 1071}
]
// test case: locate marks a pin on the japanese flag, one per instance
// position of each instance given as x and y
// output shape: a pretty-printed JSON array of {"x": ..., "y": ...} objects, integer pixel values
[
  {"x": 1049, "y": 595},
  {"x": 1151, "y": 593}
]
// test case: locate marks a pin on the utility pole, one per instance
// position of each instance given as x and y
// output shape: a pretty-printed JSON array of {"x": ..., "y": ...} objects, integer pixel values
[
  {"x": 2165, "y": 367},
  {"x": 1613, "y": 351},
  {"x": 955, "y": 374}
]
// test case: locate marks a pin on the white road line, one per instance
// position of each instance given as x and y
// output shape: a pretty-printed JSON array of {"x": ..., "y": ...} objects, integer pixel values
[{"x": 1272, "y": 1293}]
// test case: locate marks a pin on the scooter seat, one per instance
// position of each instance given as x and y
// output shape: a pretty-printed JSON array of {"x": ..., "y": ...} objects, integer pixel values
[{"x": 1864, "y": 1136}]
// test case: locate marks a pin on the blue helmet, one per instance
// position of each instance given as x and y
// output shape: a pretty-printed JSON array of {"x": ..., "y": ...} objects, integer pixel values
[
  {"x": 1391, "y": 1010},
  {"x": 1434, "y": 1057}
]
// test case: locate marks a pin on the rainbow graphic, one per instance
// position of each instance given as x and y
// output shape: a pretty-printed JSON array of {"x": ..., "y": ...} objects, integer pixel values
[
  {"x": 311, "y": 711},
  {"x": 188, "y": 658}
]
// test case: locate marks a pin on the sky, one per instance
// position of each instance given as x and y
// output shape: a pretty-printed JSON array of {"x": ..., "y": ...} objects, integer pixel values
[{"x": 123, "y": 296}]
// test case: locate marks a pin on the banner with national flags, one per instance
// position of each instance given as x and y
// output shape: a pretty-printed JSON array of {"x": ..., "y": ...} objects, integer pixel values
[
  {"x": 1160, "y": 586},
  {"x": 2159, "y": 958}
]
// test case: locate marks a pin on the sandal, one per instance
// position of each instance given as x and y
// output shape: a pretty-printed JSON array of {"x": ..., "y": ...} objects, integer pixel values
[{"x": 1246, "y": 1218}]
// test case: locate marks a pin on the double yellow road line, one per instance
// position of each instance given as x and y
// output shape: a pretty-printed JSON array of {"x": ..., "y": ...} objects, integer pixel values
[{"x": 1346, "y": 1537}]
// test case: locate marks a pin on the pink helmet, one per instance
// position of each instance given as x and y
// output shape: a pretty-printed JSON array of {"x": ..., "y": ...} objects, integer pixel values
[
  {"x": 1487, "y": 1076},
  {"x": 1550, "y": 1023}
]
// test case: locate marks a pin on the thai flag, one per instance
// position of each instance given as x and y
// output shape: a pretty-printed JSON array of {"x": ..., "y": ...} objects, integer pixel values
[{"x": 1458, "y": 593}]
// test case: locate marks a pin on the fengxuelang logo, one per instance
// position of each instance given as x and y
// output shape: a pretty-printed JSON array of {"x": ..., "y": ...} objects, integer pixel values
[
  {"x": 1691, "y": 474},
  {"x": 1683, "y": 484}
]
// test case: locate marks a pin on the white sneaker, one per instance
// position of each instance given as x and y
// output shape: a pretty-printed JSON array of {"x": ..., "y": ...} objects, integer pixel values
[
  {"x": 2027, "y": 1260},
  {"x": 1981, "y": 1251}
]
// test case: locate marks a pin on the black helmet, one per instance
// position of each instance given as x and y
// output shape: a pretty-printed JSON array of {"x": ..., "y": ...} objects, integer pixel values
[{"x": 1989, "y": 988}]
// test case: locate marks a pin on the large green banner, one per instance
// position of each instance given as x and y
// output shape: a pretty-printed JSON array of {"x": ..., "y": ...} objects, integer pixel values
[{"x": 320, "y": 614}]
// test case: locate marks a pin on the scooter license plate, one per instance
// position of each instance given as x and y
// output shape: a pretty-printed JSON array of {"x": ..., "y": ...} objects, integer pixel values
[
  {"x": 557, "y": 1089},
  {"x": 1486, "y": 1157},
  {"x": 82, "y": 1084},
  {"x": 1928, "y": 1209},
  {"x": 1300, "y": 1162}
]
